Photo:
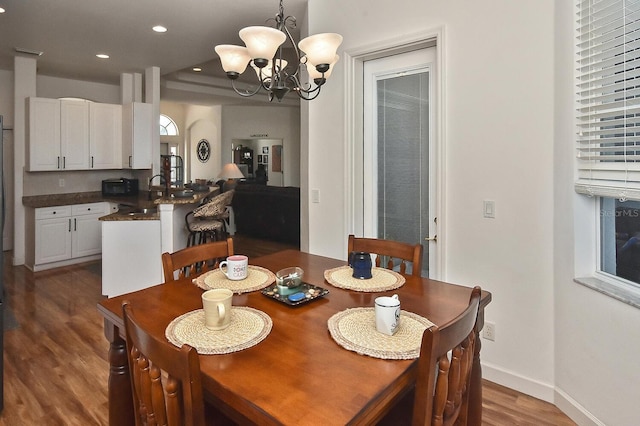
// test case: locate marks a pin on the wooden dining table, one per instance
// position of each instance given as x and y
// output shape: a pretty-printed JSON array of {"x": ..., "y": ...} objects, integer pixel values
[{"x": 297, "y": 375}]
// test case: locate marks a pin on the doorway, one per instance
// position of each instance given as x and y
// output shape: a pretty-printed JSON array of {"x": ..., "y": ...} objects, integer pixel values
[
  {"x": 267, "y": 152},
  {"x": 399, "y": 173}
]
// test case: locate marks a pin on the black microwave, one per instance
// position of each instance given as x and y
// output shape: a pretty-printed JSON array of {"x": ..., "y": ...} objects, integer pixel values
[{"x": 118, "y": 187}]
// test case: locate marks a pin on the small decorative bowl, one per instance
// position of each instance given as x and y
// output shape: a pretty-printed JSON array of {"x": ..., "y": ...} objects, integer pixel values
[{"x": 288, "y": 280}]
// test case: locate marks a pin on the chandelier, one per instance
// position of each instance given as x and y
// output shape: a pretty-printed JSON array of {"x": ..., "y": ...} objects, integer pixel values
[{"x": 263, "y": 51}]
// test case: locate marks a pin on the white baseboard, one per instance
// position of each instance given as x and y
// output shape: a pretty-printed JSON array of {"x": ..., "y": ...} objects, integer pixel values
[
  {"x": 575, "y": 411},
  {"x": 543, "y": 391},
  {"x": 526, "y": 385}
]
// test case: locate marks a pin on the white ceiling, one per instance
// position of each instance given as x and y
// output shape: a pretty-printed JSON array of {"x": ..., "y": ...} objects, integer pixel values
[{"x": 71, "y": 32}]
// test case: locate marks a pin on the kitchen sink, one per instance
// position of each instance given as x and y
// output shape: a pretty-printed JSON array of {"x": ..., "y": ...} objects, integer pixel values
[{"x": 135, "y": 211}]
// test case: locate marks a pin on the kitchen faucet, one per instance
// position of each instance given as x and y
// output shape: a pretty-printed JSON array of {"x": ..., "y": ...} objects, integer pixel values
[{"x": 161, "y": 179}]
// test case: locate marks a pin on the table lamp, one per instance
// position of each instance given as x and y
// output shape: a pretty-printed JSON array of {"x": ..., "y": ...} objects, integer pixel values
[{"x": 230, "y": 172}]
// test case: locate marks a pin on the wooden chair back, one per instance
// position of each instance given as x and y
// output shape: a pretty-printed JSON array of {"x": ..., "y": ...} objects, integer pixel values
[
  {"x": 194, "y": 260},
  {"x": 444, "y": 369},
  {"x": 176, "y": 398},
  {"x": 393, "y": 250}
]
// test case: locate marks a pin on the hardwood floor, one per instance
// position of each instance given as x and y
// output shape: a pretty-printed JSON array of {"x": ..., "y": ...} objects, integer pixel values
[{"x": 55, "y": 361}]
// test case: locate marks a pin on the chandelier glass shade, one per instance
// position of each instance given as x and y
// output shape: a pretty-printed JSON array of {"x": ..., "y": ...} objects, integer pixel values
[{"x": 263, "y": 48}]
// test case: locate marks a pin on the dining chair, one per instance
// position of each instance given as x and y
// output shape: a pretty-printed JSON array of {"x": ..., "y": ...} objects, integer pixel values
[
  {"x": 194, "y": 260},
  {"x": 441, "y": 394},
  {"x": 394, "y": 251},
  {"x": 176, "y": 398}
]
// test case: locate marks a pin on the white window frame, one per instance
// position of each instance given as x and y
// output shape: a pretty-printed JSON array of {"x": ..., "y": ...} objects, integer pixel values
[
  {"x": 171, "y": 122},
  {"x": 600, "y": 179}
]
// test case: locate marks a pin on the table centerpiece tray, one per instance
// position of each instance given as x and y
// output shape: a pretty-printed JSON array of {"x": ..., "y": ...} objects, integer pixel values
[{"x": 311, "y": 292}]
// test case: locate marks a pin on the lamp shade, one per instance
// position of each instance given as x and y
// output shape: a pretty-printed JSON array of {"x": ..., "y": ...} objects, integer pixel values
[
  {"x": 268, "y": 70},
  {"x": 314, "y": 73},
  {"x": 230, "y": 171},
  {"x": 321, "y": 48},
  {"x": 233, "y": 58},
  {"x": 262, "y": 42}
]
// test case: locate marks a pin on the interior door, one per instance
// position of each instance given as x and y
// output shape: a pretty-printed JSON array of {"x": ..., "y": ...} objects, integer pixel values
[{"x": 399, "y": 179}]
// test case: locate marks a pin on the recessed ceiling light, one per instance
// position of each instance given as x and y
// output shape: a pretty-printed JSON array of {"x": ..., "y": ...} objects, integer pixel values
[
  {"x": 2, "y": 10},
  {"x": 197, "y": 69},
  {"x": 159, "y": 29},
  {"x": 102, "y": 56}
]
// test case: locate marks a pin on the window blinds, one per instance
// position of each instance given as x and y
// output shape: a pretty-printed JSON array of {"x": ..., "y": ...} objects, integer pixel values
[{"x": 608, "y": 94}]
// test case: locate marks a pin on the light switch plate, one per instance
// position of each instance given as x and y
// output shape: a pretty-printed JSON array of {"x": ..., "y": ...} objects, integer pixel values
[
  {"x": 489, "y": 209},
  {"x": 315, "y": 195}
]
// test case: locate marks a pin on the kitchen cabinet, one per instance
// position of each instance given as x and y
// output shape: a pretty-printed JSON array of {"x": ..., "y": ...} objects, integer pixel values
[
  {"x": 43, "y": 134},
  {"x": 137, "y": 135},
  {"x": 67, "y": 234},
  {"x": 73, "y": 135},
  {"x": 86, "y": 237},
  {"x": 53, "y": 234},
  {"x": 58, "y": 134},
  {"x": 105, "y": 136}
]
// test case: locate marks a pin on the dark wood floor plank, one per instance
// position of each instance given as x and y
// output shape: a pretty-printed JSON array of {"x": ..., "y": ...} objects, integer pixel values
[{"x": 56, "y": 367}]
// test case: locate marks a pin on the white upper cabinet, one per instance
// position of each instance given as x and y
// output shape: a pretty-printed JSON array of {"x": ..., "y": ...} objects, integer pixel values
[
  {"x": 43, "y": 134},
  {"x": 137, "y": 135},
  {"x": 105, "y": 136},
  {"x": 74, "y": 134}
]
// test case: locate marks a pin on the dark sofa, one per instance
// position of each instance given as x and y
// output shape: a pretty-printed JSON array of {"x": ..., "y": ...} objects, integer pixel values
[{"x": 268, "y": 212}]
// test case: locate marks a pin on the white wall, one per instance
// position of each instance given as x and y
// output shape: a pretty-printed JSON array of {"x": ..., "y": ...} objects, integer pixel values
[
  {"x": 240, "y": 122},
  {"x": 202, "y": 122},
  {"x": 6, "y": 97},
  {"x": 501, "y": 142},
  {"x": 597, "y": 338},
  {"x": 54, "y": 87}
]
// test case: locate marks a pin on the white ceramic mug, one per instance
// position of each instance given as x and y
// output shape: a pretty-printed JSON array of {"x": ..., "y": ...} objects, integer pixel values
[
  {"x": 217, "y": 308},
  {"x": 236, "y": 267},
  {"x": 387, "y": 314}
]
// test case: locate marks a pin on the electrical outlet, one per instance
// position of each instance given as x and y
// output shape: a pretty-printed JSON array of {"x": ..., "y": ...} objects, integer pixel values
[
  {"x": 489, "y": 331},
  {"x": 61, "y": 183}
]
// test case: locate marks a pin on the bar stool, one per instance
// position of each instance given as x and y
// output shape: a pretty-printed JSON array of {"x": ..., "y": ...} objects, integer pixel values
[{"x": 207, "y": 222}]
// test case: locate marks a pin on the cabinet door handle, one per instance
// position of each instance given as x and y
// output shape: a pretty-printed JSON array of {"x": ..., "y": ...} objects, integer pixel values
[
  {"x": 92, "y": 161},
  {"x": 69, "y": 225},
  {"x": 75, "y": 224},
  {"x": 64, "y": 162},
  {"x": 129, "y": 161},
  {"x": 58, "y": 166}
]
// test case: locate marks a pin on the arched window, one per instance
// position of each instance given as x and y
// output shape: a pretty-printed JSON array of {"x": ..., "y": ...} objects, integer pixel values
[{"x": 168, "y": 127}]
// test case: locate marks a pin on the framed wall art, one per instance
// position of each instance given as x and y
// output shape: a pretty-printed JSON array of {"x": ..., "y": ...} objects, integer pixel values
[{"x": 203, "y": 150}]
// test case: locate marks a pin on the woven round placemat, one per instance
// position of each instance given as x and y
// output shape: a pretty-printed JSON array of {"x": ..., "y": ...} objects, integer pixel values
[
  {"x": 381, "y": 279},
  {"x": 257, "y": 279},
  {"x": 355, "y": 329},
  {"x": 247, "y": 328}
]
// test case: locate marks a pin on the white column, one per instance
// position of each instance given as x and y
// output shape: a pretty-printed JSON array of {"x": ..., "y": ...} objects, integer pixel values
[
  {"x": 152, "y": 96},
  {"x": 130, "y": 87},
  {"x": 126, "y": 88},
  {"x": 24, "y": 75},
  {"x": 137, "y": 87}
]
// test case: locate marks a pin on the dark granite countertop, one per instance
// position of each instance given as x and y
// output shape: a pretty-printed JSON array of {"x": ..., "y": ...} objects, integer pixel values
[
  {"x": 51, "y": 200},
  {"x": 139, "y": 201}
]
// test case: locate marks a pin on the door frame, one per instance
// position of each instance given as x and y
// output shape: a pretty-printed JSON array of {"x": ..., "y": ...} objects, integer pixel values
[{"x": 354, "y": 193}]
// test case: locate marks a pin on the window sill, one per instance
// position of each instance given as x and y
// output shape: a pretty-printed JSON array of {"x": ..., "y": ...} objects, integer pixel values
[{"x": 623, "y": 292}]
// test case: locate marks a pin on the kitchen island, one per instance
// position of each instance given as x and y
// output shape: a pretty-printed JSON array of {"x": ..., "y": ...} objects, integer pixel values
[{"x": 133, "y": 240}]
